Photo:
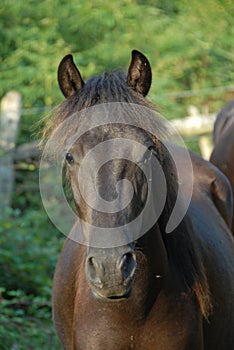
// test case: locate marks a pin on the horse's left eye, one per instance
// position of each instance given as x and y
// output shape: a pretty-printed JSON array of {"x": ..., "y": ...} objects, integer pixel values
[
  {"x": 69, "y": 158},
  {"x": 152, "y": 149}
]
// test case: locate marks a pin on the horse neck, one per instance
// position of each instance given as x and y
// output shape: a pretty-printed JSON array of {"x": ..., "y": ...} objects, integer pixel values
[{"x": 152, "y": 277}]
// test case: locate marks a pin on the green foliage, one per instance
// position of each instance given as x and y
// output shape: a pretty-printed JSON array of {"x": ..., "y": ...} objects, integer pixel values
[
  {"x": 29, "y": 247},
  {"x": 28, "y": 252},
  {"x": 188, "y": 43},
  {"x": 23, "y": 318}
]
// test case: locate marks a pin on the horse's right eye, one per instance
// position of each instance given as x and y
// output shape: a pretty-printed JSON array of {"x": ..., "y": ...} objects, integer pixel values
[{"x": 69, "y": 158}]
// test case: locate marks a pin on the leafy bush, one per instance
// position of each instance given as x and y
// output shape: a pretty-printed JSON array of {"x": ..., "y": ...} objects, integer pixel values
[
  {"x": 28, "y": 252},
  {"x": 29, "y": 247},
  {"x": 25, "y": 322},
  {"x": 188, "y": 43}
]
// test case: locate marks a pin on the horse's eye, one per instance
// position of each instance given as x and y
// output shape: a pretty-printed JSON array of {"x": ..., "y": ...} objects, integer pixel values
[
  {"x": 152, "y": 149},
  {"x": 69, "y": 158}
]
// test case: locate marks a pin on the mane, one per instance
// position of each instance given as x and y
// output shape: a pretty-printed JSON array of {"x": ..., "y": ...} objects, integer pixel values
[
  {"x": 185, "y": 260},
  {"x": 111, "y": 87}
]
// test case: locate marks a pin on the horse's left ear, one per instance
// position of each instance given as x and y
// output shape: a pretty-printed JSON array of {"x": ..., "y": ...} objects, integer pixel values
[
  {"x": 139, "y": 73},
  {"x": 69, "y": 77}
]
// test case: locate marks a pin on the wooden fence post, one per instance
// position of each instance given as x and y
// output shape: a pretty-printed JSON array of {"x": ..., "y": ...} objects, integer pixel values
[
  {"x": 9, "y": 125},
  {"x": 206, "y": 146}
]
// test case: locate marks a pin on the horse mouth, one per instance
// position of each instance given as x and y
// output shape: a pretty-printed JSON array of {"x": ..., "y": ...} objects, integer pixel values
[
  {"x": 108, "y": 297},
  {"x": 120, "y": 297}
]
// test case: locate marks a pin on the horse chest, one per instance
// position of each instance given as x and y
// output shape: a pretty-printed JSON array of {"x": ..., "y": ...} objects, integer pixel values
[
  {"x": 138, "y": 339},
  {"x": 102, "y": 331}
]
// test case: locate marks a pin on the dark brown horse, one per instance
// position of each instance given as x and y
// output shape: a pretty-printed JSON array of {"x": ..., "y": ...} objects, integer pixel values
[
  {"x": 223, "y": 152},
  {"x": 161, "y": 291}
]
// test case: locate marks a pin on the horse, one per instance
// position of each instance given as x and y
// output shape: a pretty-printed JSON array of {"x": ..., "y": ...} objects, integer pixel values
[
  {"x": 159, "y": 289},
  {"x": 223, "y": 153}
]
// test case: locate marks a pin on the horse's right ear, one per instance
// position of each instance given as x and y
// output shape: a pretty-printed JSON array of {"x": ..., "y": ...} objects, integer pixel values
[
  {"x": 139, "y": 73},
  {"x": 69, "y": 77}
]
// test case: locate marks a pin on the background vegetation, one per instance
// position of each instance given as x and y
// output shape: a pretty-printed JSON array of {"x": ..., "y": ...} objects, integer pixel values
[{"x": 190, "y": 47}]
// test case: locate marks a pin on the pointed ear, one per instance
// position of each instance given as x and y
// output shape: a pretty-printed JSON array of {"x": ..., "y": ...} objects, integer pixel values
[
  {"x": 139, "y": 73},
  {"x": 69, "y": 77}
]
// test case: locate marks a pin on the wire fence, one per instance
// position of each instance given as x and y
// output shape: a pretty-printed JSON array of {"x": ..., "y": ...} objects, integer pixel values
[{"x": 177, "y": 94}]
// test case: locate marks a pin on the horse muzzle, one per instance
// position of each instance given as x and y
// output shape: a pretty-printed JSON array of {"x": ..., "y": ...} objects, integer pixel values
[{"x": 110, "y": 275}]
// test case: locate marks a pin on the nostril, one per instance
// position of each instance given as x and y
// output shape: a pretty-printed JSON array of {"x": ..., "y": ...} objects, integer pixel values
[
  {"x": 94, "y": 271},
  {"x": 92, "y": 262},
  {"x": 127, "y": 265}
]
